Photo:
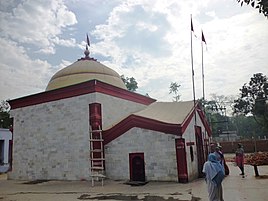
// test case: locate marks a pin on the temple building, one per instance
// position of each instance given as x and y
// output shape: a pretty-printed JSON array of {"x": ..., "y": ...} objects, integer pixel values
[{"x": 87, "y": 124}]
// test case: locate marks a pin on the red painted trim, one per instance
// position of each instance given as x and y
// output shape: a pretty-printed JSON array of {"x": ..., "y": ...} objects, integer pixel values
[
  {"x": 204, "y": 121},
  {"x": 140, "y": 122},
  {"x": 189, "y": 143},
  {"x": 202, "y": 116},
  {"x": 77, "y": 90},
  {"x": 181, "y": 160},
  {"x": 95, "y": 116}
]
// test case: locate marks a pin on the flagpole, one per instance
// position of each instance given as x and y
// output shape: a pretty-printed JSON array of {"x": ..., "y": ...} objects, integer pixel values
[
  {"x": 203, "y": 75},
  {"x": 192, "y": 29}
]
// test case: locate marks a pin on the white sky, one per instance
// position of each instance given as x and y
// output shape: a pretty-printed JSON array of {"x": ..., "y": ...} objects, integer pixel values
[{"x": 145, "y": 39}]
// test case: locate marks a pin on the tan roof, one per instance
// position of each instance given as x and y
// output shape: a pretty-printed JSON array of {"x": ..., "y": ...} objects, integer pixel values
[
  {"x": 82, "y": 71},
  {"x": 168, "y": 112}
]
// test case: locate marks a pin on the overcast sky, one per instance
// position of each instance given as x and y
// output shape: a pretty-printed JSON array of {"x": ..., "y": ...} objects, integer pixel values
[{"x": 145, "y": 39}]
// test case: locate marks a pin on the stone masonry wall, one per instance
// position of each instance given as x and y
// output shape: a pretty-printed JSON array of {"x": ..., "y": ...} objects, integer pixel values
[
  {"x": 51, "y": 139},
  {"x": 115, "y": 109},
  {"x": 159, "y": 155},
  {"x": 189, "y": 136}
]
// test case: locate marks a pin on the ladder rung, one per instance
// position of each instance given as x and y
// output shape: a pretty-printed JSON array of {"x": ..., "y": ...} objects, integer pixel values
[
  {"x": 96, "y": 150},
  {"x": 98, "y": 175},
  {"x": 94, "y": 131},
  {"x": 97, "y": 168},
  {"x": 96, "y": 140}
]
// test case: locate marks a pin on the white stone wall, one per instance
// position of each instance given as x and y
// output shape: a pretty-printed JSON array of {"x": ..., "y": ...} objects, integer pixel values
[
  {"x": 51, "y": 139},
  {"x": 159, "y": 155},
  {"x": 189, "y": 136},
  {"x": 115, "y": 109}
]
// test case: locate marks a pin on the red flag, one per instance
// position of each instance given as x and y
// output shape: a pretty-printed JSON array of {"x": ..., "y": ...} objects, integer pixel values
[
  {"x": 203, "y": 38},
  {"x": 88, "y": 43},
  {"x": 192, "y": 27}
]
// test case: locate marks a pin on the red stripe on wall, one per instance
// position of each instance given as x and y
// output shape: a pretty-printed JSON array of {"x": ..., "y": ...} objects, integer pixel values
[{"x": 189, "y": 143}]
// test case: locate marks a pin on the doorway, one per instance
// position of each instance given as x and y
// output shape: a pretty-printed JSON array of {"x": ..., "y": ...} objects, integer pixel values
[{"x": 137, "y": 168}]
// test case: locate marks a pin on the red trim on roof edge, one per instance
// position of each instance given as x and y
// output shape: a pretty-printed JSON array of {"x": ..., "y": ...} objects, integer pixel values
[
  {"x": 204, "y": 121},
  {"x": 140, "y": 122},
  {"x": 79, "y": 89},
  {"x": 202, "y": 117}
]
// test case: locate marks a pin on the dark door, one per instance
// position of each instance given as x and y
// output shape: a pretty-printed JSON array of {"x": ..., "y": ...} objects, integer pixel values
[{"x": 137, "y": 169}]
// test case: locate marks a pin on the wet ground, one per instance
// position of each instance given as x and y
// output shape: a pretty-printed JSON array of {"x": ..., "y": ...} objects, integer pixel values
[
  {"x": 131, "y": 197},
  {"x": 235, "y": 188}
]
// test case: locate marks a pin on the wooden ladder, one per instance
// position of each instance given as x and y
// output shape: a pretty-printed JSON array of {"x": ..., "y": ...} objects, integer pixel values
[{"x": 96, "y": 156}]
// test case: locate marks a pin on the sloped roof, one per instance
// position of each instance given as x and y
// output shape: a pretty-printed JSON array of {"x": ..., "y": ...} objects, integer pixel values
[
  {"x": 166, "y": 117},
  {"x": 167, "y": 112}
]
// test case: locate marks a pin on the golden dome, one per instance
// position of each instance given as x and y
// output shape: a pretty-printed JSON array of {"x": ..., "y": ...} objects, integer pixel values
[{"x": 83, "y": 70}]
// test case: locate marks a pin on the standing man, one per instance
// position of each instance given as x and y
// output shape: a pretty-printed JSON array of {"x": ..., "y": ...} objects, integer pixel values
[{"x": 239, "y": 158}]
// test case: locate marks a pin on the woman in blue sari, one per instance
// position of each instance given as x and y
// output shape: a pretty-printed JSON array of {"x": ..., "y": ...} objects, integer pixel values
[{"x": 214, "y": 172}]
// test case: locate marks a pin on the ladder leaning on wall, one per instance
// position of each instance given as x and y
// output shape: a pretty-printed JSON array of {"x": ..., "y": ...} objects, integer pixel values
[{"x": 96, "y": 156}]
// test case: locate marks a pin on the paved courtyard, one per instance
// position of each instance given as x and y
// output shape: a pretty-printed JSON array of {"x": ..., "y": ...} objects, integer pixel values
[{"x": 235, "y": 188}]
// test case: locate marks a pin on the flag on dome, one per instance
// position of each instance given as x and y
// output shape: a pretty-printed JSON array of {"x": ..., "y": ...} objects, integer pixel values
[{"x": 88, "y": 42}]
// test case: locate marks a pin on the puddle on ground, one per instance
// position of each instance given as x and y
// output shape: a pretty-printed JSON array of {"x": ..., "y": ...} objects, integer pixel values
[
  {"x": 35, "y": 181},
  {"x": 131, "y": 197}
]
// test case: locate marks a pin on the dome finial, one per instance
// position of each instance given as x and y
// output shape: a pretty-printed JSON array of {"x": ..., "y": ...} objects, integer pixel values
[
  {"x": 87, "y": 45},
  {"x": 86, "y": 52}
]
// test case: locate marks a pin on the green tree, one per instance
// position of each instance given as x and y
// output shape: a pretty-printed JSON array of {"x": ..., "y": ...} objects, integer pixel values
[
  {"x": 254, "y": 99},
  {"x": 174, "y": 89},
  {"x": 216, "y": 115},
  {"x": 5, "y": 120},
  {"x": 130, "y": 83},
  {"x": 261, "y": 5},
  {"x": 247, "y": 127},
  {"x": 217, "y": 112}
]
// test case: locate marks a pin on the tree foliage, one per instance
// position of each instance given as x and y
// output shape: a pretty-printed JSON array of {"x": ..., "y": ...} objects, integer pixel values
[
  {"x": 174, "y": 89},
  {"x": 261, "y": 5},
  {"x": 5, "y": 120},
  {"x": 130, "y": 83},
  {"x": 254, "y": 99},
  {"x": 216, "y": 112},
  {"x": 220, "y": 119},
  {"x": 247, "y": 127}
]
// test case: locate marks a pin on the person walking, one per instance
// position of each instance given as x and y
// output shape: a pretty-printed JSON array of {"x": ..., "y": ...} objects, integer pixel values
[
  {"x": 214, "y": 175},
  {"x": 239, "y": 158}
]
